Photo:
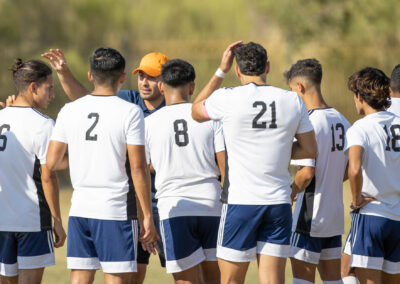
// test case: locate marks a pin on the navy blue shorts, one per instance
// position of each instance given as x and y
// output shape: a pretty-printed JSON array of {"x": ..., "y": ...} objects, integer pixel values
[
  {"x": 375, "y": 243},
  {"x": 107, "y": 244},
  {"x": 25, "y": 250},
  {"x": 189, "y": 240},
  {"x": 248, "y": 230}
]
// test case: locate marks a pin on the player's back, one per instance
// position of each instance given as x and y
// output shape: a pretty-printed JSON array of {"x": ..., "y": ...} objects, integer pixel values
[
  {"x": 381, "y": 135},
  {"x": 97, "y": 129},
  {"x": 259, "y": 124},
  {"x": 319, "y": 208},
  {"x": 182, "y": 152},
  {"x": 24, "y": 137}
]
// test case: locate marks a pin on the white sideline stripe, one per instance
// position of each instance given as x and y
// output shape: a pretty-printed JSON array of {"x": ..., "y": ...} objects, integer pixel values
[
  {"x": 135, "y": 238},
  {"x": 163, "y": 239},
  {"x": 9, "y": 270},
  {"x": 183, "y": 264},
  {"x": 222, "y": 224},
  {"x": 38, "y": 261},
  {"x": 49, "y": 240}
]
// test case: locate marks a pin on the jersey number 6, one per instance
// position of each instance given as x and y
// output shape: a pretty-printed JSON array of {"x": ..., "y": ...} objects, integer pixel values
[{"x": 3, "y": 137}]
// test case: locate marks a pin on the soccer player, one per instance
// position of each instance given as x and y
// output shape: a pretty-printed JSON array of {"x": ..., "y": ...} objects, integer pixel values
[
  {"x": 148, "y": 98},
  {"x": 318, "y": 220},
  {"x": 183, "y": 153},
  {"x": 99, "y": 130},
  {"x": 259, "y": 123},
  {"x": 373, "y": 148},
  {"x": 395, "y": 90},
  {"x": 26, "y": 241}
]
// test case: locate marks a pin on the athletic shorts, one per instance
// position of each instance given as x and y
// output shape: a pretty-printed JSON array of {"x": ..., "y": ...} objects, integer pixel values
[
  {"x": 313, "y": 249},
  {"x": 142, "y": 255},
  {"x": 248, "y": 230},
  {"x": 107, "y": 244},
  {"x": 375, "y": 243},
  {"x": 188, "y": 241},
  {"x": 25, "y": 250}
]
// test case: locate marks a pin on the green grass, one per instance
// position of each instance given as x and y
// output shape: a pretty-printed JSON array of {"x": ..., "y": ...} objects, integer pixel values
[{"x": 155, "y": 274}]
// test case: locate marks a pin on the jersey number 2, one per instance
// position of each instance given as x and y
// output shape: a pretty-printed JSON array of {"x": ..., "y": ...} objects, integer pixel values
[
  {"x": 3, "y": 137},
  {"x": 90, "y": 137},
  {"x": 181, "y": 133}
]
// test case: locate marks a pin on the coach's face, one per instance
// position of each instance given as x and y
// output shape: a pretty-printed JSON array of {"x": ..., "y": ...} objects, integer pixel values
[
  {"x": 43, "y": 94},
  {"x": 148, "y": 86}
]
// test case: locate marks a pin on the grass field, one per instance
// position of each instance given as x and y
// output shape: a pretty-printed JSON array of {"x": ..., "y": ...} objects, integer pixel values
[{"x": 155, "y": 274}]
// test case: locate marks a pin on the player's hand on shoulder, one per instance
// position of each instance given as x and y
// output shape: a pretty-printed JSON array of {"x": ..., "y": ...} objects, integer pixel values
[
  {"x": 9, "y": 101},
  {"x": 59, "y": 234},
  {"x": 227, "y": 57},
  {"x": 57, "y": 59}
]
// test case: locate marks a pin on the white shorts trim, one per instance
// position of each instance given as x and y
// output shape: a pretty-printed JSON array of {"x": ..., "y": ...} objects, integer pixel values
[
  {"x": 183, "y": 264},
  {"x": 39, "y": 261},
  {"x": 315, "y": 257},
  {"x": 86, "y": 263},
  {"x": 391, "y": 267},
  {"x": 211, "y": 254},
  {"x": 118, "y": 266},
  {"x": 378, "y": 263},
  {"x": 9, "y": 270},
  {"x": 236, "y": 255},
  {"x": 271, "y": 249}
]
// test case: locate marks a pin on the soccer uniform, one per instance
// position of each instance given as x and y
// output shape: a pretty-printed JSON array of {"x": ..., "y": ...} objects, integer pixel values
[
  {"x": 375, "y": 234},
  {"x": 182, "y": 152},
  {"x": 26, "y": 240},
  {"x": 318, "y": 219},
  {"x": 133, "y": 96},
  {"x": 259, "y": 124},
  {"x": 395, "y": 106},
  {"x": 102, "y": 229}
]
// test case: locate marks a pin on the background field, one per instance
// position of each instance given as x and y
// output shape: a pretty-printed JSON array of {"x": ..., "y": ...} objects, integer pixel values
[{"x": 155, "y": 274}]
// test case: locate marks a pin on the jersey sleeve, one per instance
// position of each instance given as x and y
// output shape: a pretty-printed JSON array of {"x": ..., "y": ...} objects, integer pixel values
[
  {"x": 42, "y": 141},
  {"x": 59, "y": 133},
  {"x": 219, "y": 141},
  {"x": 216, "y": 104},
  {"x": 305, "y": 123},
  {"x": 135, "y": 127},
  {"x": 355, "y": 136}
]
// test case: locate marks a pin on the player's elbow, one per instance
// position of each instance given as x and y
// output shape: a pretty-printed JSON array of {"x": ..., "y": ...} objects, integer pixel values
[
  {"x": 51, "y": 163},
  {"x": 309, "y": 173},
  {"x": 197, "y": 113},
  {"x": 354, "y": 172}
]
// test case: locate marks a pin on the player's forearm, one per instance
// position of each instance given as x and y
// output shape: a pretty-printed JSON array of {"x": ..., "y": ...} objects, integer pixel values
[
  {"x": 141, "y": 181},
  {"x": 197, "y": 107},
  {"x": 356, "y": 181},
  {"x": 221, "y": 164},
  {"x": 303, "y": 178},
  {"x": 72, "y": 87},
  {"x": 51, "y": 193}
]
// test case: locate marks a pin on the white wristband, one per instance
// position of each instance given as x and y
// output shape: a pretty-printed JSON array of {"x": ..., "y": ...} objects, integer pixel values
[{"x": 220, "y": 73}]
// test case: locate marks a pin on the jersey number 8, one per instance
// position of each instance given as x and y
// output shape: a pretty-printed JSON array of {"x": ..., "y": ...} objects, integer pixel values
[{"x": 181, "y": 132}]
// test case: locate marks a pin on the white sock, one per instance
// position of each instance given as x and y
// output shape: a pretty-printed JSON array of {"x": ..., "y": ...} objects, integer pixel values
[
  {"x": 301, "y": 281},
  {"x": 349, "y": 280},
  {"x": 334, "y": 282}
]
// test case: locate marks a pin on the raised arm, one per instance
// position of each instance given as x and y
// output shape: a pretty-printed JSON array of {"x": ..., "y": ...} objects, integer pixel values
[
  {"x": 214, "y": 83},
  {"x": 51, "y": 193},
  {"x": 72, "y": 87}
]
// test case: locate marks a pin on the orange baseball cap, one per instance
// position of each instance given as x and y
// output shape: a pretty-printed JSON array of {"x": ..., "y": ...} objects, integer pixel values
[{"x": 151, "y": 64}]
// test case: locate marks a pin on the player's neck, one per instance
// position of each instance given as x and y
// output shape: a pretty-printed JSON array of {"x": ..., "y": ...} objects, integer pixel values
[
  {"x": 23, "y": 100},
  {"x": 313, "y": 99},
  {"x": 153, "y": 104},
  {"x": 258, "y": 80},
  {"x": 104, "y": 91},
  {"x": 176, "y": 98},
  {"x": 395, "y": 95}
]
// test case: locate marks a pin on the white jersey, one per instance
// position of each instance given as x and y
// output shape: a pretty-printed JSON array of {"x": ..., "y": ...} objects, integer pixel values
[
  {"x": 379, "y": 135},
  {"x": 259, "y": 124},
  {"x": 182, "y": 152},
  {"x": 395, "y": 106},
  {"x": 24, "y": 137},
  {"x": 97, "y": 129},
  {"x": 319, "y": 210}
]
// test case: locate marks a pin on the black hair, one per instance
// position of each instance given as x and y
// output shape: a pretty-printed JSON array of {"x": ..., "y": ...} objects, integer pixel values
[
  {"x": 309, "y": 68},
  {"x": 251, "y": 58},
  {"x": 177, "y": 72},
  {"x": 395, "y": 79},
  {"x": 28, "y": 72},
  {"x": 373, "y": 86},
  {"x": 106, "y": 65}
]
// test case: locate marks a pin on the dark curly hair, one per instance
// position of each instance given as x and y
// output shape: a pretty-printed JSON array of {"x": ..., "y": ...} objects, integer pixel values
[
  {"x": 395, "y": 79},
  {"x": 251, "y": 58},
  {"x": 373, "y": 86}
]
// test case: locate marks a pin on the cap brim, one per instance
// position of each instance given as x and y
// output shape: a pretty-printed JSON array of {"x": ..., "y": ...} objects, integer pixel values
[{"x": 153, "y": 72}]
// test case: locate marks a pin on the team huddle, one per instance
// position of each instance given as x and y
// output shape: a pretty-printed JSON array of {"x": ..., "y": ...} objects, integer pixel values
[{"x": 206, "y": 185}]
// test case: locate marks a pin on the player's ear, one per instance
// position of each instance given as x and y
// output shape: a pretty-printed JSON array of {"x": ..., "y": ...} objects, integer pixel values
[
  {"x": 390, "y": 91},
  {"x": 90, "y": 77},
  {"x": 161, "y": 87},
  {"x": 267, "y": 67},
  {"x": 122, "y": 78},
  {"x": 32, "y": 88},
  {"x": 191, "y": 88},
  {"x": 301, "y": 87}
]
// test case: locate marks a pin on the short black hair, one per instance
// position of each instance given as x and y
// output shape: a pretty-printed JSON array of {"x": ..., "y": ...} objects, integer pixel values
[
  {"x": 177, "y": 72},
  {"x": 372, "y": 85},
  {"x": 28, "y": 72},
  {"x": 251, "y": 58},
  {"x": 395, "y": 79},
  {"x": 309, "y": 68},
  {"x": 106, "y": 65}
]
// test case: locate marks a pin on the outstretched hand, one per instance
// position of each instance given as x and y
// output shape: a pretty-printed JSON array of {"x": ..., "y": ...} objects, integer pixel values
[
  {"x": 227, "y": 57},
  {"x": 57, "y": 59}
]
